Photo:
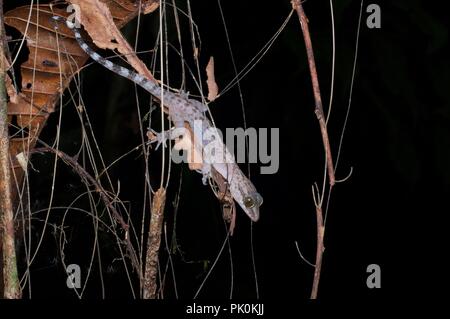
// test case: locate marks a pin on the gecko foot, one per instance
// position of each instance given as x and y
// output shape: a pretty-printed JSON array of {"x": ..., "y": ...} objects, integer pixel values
[
  {"x": 159, "y": 138},
  {"x": 184, "y": 94},
  {"x": 206, "y": 172}
]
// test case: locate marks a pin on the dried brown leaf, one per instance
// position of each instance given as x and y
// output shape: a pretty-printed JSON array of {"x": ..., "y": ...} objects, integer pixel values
[
  {"x": 213, "y": 89},
  {"x": 54, "y": 55},
  {"x": 98, "y": 21}
]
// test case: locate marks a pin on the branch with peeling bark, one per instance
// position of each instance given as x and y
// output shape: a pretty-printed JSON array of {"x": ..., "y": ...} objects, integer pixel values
[
  {"x": 11, "y": 286},
  {"x": 153, "y": 244}
]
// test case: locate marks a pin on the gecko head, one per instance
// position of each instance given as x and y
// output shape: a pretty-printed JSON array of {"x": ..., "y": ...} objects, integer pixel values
[{"x": 250, "y": 204}]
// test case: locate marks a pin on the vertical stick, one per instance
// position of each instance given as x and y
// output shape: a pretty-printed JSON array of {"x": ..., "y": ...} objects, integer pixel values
[
  {"x": 153, "y": 243},
  {"x": 296, "y": 4},
  {"x": 319, "y": 252},
  {"x": 10, "y": 276}
]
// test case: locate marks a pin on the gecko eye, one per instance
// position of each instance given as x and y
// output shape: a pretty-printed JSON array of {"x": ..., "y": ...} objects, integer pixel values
[{"x": 249, "y": 202}]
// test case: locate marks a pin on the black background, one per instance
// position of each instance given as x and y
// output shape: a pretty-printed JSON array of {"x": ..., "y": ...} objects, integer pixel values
[{"x": 397, "y": 142}]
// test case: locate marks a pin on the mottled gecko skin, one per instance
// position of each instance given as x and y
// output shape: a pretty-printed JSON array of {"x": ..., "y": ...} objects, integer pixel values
[{"x": 182, "y": 109}]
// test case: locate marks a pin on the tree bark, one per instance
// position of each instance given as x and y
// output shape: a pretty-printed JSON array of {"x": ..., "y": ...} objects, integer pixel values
[{"x": 11, "y": 287}]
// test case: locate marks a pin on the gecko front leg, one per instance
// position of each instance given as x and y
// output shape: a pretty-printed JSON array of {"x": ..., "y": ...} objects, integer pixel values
[
  {"x": 178, "y": 131},
  {"x": 159, "y": 137},
  {"x": 206, "y": 172}
]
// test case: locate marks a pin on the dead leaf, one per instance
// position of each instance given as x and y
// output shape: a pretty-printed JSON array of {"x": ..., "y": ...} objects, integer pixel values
[
  {"x": 98, "y": 22},
  {"x": 149, "y": 7},
  {"x": 196, "y": 53},
  {"x": 213, "y": 89},
  {"x": 48, "y": 58}
]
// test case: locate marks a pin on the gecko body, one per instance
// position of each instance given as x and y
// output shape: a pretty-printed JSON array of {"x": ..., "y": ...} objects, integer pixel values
[{"x": 181, "y": 109}]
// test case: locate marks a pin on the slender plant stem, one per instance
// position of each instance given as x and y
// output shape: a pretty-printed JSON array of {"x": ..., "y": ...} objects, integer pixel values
[
  {"x": 297, "y": 6},
  {"x": 153, "y": 244},
  {"x": 319, "y": 252},
  {"x": 11, "y": 284}
]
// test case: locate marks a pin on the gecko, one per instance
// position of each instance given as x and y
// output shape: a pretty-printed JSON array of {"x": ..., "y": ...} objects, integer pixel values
[{"x": 182, "y": 109}]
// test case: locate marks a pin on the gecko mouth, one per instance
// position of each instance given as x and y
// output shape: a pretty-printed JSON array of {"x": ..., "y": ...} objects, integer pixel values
[{"x": 255, "y": 216}]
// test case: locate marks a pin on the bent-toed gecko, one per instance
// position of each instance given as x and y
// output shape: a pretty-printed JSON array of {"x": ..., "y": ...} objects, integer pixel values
[{"x": 182, "y": 109}]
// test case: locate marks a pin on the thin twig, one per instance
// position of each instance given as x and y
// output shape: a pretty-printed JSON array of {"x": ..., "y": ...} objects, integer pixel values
[
  {"x": 303, "y": 257},
  {"x": 319, "y": 252},
  {"x": 297, "y": 6}
]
